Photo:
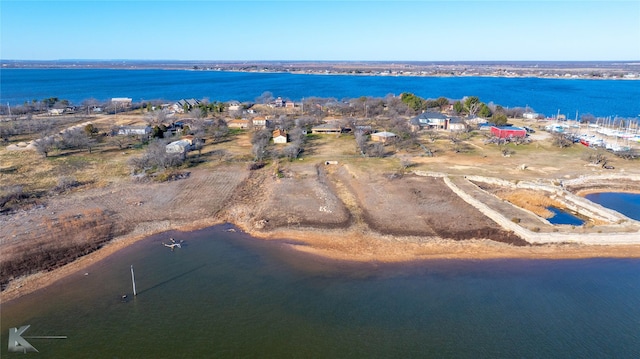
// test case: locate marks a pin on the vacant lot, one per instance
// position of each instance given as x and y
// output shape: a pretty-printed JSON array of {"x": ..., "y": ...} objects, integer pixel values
[
  {"x": 408, "y": 205},
  {"x": 301, "y": 196}
]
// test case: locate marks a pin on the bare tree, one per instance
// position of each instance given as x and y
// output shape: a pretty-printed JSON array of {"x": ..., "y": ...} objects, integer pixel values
[
  {"x": 77, "y": 138},
  {"x": 376, "y": 150},
  {"x": 156, "y": 156},
  {"x": 260, "y": 140},
  {"x": 45, "y": 145},
  {"x": 156, "y": 118},
  {"x": 292, "y": 151},
  {"x": 561, "y": 140},
  {"x": 296, "y": 135},
  {"x": 218, "y": 129},
  {"x": 265, "y": 98},
  {"x": 8, "y": 129},
  {"x": 432, "y": 135},
  {"x": 405, "y": 163},
  {"x": 395, "y": 106},
  {"x": 596, "y": 158},
  {"x": 198, "y": 113}
]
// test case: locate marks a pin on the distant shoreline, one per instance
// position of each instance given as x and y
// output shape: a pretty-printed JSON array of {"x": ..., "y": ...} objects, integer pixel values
[{"x": 609, "y": 70}]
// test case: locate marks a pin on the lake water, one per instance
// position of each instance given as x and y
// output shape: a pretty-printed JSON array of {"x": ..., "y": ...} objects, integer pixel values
[
  {"x": 564, "y": 217},
  {"x": 547, "y": 96},
  {"x": 228, "y": 295},
  {"x": 625, "y": 203}
]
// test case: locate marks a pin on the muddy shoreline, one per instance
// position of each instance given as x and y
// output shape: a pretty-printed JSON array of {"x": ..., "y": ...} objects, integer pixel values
[
  {"x": 349, "y": 246},
  {"x": 328, "y": 212}
]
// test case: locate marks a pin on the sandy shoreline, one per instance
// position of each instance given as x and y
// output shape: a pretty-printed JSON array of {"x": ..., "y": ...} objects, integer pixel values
[{"x": 349, "y": 245}]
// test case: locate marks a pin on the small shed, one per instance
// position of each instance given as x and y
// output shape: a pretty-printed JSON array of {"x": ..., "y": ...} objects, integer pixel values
[
  {"x": 382, "y": 136},
  {"x": 508, "y": 131}
]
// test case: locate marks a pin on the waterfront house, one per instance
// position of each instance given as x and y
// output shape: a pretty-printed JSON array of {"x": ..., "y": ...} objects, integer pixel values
[
  {"x": 185, "y": 105},
  {"x": 122, "y": 101},
  {"x": 233, "y": 106},
  {"x": 56, "y": 111},
  {"x": 431, "y": 121}
]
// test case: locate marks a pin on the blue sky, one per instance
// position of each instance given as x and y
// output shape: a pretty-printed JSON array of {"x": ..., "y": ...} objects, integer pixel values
[{"x": 321, "y": 30}]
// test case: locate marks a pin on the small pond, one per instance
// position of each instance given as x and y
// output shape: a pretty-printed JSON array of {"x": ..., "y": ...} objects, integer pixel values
[
  {"x": 625, "y": 203},
  {"x": 563, "y": 217}
]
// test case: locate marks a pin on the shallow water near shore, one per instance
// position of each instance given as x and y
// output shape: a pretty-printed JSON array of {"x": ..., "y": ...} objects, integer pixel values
[{"x": 225, "y": 294}]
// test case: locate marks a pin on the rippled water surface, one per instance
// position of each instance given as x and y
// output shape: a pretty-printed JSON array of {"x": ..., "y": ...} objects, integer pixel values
[
  {"x": 227, "y": 295},
  {"x": 546, "y": 96}
]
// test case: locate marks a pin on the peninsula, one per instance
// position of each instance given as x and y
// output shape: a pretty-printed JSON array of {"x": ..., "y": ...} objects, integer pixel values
[
  {"x": 629, "y": 70},
  {"x": 373, "y": 184}
]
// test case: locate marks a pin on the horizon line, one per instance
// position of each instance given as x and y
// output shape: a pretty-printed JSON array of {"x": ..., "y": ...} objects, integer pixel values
[{"x": 353, "y": 61}]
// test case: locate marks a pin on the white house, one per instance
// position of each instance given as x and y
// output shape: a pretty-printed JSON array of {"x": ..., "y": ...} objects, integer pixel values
[
  {"x": 134, "y": 130},
  {"x": 122, "y": 102},
  {"x": 180, "y": 146},
  {"x": 122, "y": 99},
  {"x": 233, "y": 106},
  {"x": 279, "y": 136},
  {"x": 56, "y": 111},
  {"x": 456, "y": 124}
]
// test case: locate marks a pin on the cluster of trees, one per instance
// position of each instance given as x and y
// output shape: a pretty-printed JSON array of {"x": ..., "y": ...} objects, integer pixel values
[
  {"x": 375, "y": 149},
  {"x": 468, "y": 106},
  {"x": 72, "y": 138},
  {"x": 28, "y": 125},
  {"x": 419, "y": 104},
  {"x": 363, "y": 107},
  {"x": 156, "y": 158},
  {"x": 35, "y": 106},
  {"x": 204, "y": 108}
]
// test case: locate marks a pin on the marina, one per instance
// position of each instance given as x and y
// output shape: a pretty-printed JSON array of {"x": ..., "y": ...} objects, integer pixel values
[{"x": 612, "y": 134}]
